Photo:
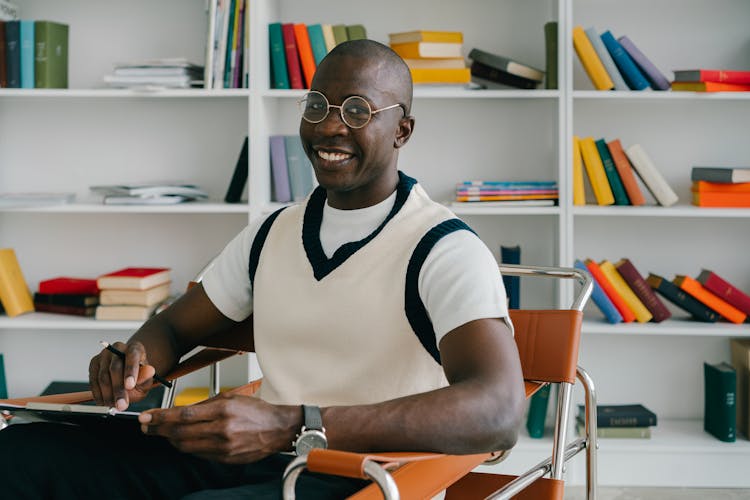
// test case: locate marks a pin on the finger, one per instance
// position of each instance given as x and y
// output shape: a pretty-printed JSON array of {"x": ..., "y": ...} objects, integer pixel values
[
  {"x": 94, "y": 379},
  {"x": 135, "y": 355},
  {"x": 117, "y": 375},
  {"x": 182, "y": 414},
  {"x": 104, "y": 379}
]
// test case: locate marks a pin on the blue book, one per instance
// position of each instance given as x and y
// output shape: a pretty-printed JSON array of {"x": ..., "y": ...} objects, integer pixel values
[
  {"x": 279, "y": 170},
  {"x": 633, "y": 76},
  {"x": 512, "y": 184},
  {"x": 13, "y": 53},
  {"x": 27, "y": 54},
  {"x": 317, "y": 42},
  {"x": 299, "y": 168},
  {"x": 512, "y": 255},
  {"x": 618, "y": 189},
  {"x": 3, "y": 384},
  {"x": 279, "y": 75},
  {"x": 600, "y": 298}
]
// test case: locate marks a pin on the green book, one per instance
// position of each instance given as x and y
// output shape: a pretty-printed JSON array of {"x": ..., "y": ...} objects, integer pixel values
[
  {"x": 355, "y": 32},
  {"x": 550, "y": 48},
  {"x": 279, "y": 75},
  {"x": 50, "y": 55},
  {"x": 3, "y": 383},
  {"x": 720, "y": 403},
  {"x": 537, "y": 414},
  {"x": 339, "y": 33},
  {"x": 317, "y": 42},
  {"x": 618, "y": 190}
]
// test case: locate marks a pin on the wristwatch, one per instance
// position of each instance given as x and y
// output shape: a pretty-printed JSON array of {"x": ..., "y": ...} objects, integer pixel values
[{"x": 313, "y": 434}]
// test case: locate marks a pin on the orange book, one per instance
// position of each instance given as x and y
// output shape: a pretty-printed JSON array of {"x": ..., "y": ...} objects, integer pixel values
[
  {"x": 622, "y": 307},
  {"x": 720, "y": 187},
  {"x": 306, "y": 58},
  {"x": 695, "y": 289},
  {"x": 710, "y": 87},
  {"x": 625, "y": 169},
  {"x": 720, "y": 199}
]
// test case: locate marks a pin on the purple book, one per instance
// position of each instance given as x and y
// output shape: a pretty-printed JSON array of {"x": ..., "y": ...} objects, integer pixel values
[
  {"x": 279, "y": 174},
  {"x": 656, "y": 78}
]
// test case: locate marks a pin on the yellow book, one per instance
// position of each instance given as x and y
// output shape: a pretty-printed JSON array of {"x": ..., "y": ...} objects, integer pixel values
[
  {"x": 595, "y": 171},
  {"x": 590, "y": 60},
  {"x": 328, "y": 36},
  {"x": 14, "y": 293},
  {"x": 426, "y": 36},
  {"x": 415, "y": 50},
  {"x": 579, "y": 194},
  {"x": 192, "y": 395},
  {"x": 440, "y": 75},
  {"x": 642, "y": 314}
]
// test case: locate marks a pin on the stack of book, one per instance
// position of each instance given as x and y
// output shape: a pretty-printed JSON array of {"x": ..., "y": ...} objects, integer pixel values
[
  {"x": 169, "y": 73},
  {"x": 432, "y": 56},
  {"x": 506, "y": 193},
  {"x": 132, "y": 293},
  {"x": 67, "y": 295},
  {"x": 494, "y": 70},
  {"x": 611, "y": 168},
  {"x": 148, "y": 194},
  {"x": 711, "y": 80},
  {"x": 297, "y": 49},
  {"x": 721, "y": 186},
  {"x": 615, "y": 63},
  {"x": 620, "y": 421},
  {"x": 291, "y": 170}
]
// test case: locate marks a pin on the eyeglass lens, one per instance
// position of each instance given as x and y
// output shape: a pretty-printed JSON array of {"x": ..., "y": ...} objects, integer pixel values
[{"x": 355, "y": 111}]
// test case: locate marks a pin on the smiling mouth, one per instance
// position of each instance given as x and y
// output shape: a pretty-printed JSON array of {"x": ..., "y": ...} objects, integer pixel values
[{"x": 333, "y": 156}]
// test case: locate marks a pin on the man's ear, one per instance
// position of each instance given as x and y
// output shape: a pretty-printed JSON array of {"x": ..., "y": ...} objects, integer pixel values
[{"x": 405, "y": 129}]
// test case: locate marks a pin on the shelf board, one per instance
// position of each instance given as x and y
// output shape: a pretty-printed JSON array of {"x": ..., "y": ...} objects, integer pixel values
[
  {"x": 159, "y": 92},
  {"x": 676, "y": 327},
  {"x": 196, "y": 207},
  {"x": 682, "y": 211},
  {"x": 507, "y": 210},
  {"x": 660, "y": 95},
  {"x": 62, "y": 322}
]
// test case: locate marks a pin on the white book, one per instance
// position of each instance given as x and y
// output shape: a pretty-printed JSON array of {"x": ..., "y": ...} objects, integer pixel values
[
  {"x": 606, "y": 58},
  {"x": 209, "y": 63},
  {"x": 183, "y": 81},
  {"x": 651, "y": 176},
  {"x": 221, "y": 43}
]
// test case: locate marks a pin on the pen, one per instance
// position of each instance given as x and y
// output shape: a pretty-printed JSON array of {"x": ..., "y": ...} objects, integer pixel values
[{"x": 121, "y": 355}]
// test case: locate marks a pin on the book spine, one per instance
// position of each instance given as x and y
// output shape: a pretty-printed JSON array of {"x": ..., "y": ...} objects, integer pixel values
[
  {"x": 41, "y": 55},
  {"x": 722, "y": 288},
  {"x": 720, "y": 410},
  {"x": 606, "y": 59},
  {"x": 714, "y": 174},
  {"x": 13, "y": 53},
  {"x": 714, "y": 199},
  {"x": 3, "y": 383},
  {"x": 579, "y": 192},
  {"x": 618, "y": 190},
  {"x": 66, "y": 299},
  {"x": 740, "y": 349},
  {"x": 317, "y": 42},
  {"x": 655, "y": 77},
  {"x": 210, "y": 35},
  {"x": 550, "y": 55},
  {"x": 65, "y": 309},
  {"x": 306, "y": 58},
  {"x": 512, "y": 255},
  {"x": 642, "y": 290},
  {"x": 14, "y": 293},
  {"x": 722, "y": 307},
  {"x": 506, "y": 64},
  {"x": 279, "y": 172},
  {"x": 279, "y": 76},
  {"x": 595, "y": 170},
  {"x": 292, "y": 57},
  {"x": 590, "y": 61},
  {"x": 605, "y": 305},
  {"x": 537, "y": 414},
  {"x": 440, "y": 75},
  {"x": 339, "y": 33},
  {"x": 720, "y": 187},
  {"x": 650, "y": 176},
  {"x": 356, "y": 32},
  {"x": 329, "y": 37},
  {"x": 681, "y": 299},
  {"x": 627, "y": 315},
  {"x": 3, "y": 58},
  {"x": 625, "y": 169},
  {"x": 642, "y": 314},
  {"x": 299, "y": 168},
  {"x": 27, "y": 54},
  {"x": 633, "y": 76},
  {"x": 495, "y": 75},
  {"x": 239, "y": 176},
  {"x": 221, "y": 43}
]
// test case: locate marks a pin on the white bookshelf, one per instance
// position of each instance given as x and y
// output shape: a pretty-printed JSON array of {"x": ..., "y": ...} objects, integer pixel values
[{"x": 66, "y": 140}]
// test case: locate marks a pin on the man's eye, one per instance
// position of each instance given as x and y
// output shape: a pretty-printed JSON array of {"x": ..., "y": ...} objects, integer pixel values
[{"x": 357, "y": 110}]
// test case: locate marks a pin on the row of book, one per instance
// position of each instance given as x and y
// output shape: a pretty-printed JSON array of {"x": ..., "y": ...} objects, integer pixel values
[
  {"x": 623, "y": 294},
  {"x": 611, "y": 171},
  {"x": 227, "y": 45},
  {"x": 297, "y": 49},
  {"x": 433, "y": 57},
  {"x": 33, "y": 54},
  {"x": 720, "y": 186},
  {"x": 291, "y": 170},
  {"x": 506, "y": 193}
]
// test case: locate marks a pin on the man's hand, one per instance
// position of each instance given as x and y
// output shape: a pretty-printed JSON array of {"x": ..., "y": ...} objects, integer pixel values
[
  {"x": 118, "y": 382},
  {"x": 227, "y": 428}
]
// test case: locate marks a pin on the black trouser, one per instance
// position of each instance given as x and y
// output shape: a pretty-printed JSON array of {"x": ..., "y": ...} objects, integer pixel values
[{"x": 57, "y": 461}]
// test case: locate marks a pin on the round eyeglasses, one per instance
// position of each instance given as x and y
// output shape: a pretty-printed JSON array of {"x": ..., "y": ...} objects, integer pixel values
[{"x": 355, "y": 111}]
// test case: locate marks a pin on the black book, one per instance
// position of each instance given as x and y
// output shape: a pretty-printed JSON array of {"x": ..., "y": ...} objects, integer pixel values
[
  {"x": 631, "y": 415},
  {"x": 66, "y": 299},
  {"x": 239, "y": 177},
  {"x": 494, "y": 75},
  {"x": 682, "y": 299}
]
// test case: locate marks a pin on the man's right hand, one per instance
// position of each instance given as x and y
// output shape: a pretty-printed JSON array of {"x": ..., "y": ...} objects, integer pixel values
[{"x": 118, "y": 382}]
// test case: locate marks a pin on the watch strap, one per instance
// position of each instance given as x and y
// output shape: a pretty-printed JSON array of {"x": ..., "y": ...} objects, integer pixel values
[{"x": 313, "y": 418}]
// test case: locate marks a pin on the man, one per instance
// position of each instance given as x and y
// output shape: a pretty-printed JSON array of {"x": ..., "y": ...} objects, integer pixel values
[{"x": 372, "y": 306}]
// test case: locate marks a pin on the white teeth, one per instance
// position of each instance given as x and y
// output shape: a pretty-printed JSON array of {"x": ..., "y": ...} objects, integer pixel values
[{"x": 325, "y": 155}]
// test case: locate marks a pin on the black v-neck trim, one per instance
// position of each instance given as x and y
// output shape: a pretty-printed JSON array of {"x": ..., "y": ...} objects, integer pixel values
[{"x": 323, "y": 266}]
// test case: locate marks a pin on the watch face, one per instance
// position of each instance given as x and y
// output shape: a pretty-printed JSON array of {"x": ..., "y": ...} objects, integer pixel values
[{"x": 309, "y": 440}]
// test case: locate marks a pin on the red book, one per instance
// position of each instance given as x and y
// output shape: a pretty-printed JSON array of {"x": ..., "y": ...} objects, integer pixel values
[
  {"x": 627, "y": 314},
  {"x": 67, "y": 285},
  {"x": 712, "y": 75},
  {"x": 643, "y": 291},
  {"x": 721, "y": 287},
  {"x": 306, "y": 57},
  {"x": 134, "y": 278},
  {"x": 724, "y": 308},
  {"x": 292, "y": 56},
  {"x": 625, "y": 169}
]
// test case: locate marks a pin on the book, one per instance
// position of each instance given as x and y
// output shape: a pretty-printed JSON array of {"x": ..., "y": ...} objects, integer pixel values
[
  {"x": 720, "y": 174},
  {"x": 618, "y": 190},
  {"x": 650, "y": 175},
  {"x": 13, "y": 54},
  {"x": 239, "y": 176},
  {"x": 681, "y": 299},
  {"x": 220, "y": 43},
  {"x": 710, "y": 87},
  {"x": 147, "y": 297},
  {"x": 293, "y": 67},
  {"x": 642, "y": 290},
  {"x": 298, "y": 167},
  {"x": 279, "y": 75},
  {"x": 625, "y": 415},
  {"x": 502, "y": 197},
  {"x": 66, "y": 299},
  {"x": 355, "y": 32},
  {"x": 712, "y": 75},
  {"x": 279, "y": 170},
  {"x": 616, "y": 432},
  {"x": 595, "y": 171},
  {"x": 124, "y": 312},
  {"x": 442, "y": 63},
  {"x": 720, "y": 403},
  {"x": 427, "y": 49},
  {"x": 642, "y": 314},
  {"x": 590, "y": 61},
  {"x": 627, "y": 314},
  {"x": 740, "y": 351},
  {"x": 720, "y": 199},
  {"x": 211, "y": 7},
  {"x": 27, "y": 53},
  {"x": 339, "y": 33},
  {"x": 14, "y": 292},
  {"x": 65, "y": 309},
  {"x": 3, "y": 382},
  {"x": 485, "y": 75},
  {"x": 606, "y": 59},
  {"x": 629, "y": 70},
  {"x": 231, "y": 32},
  {"x": 550, "y": 55},
  {"x": 656, "y": 78},
  {"x": 601, "y": 300},
  {"x": 625, "y": 170},
  {"x": 154, "y": 189},
  {"x": 724, "y": 289},
  {"x": 426, "y": 36},
  {"x": 512, "y": 184},
  {"x": 503, "y": 203},
  {"x": 440, "y": 75},
  {"x": 511, "y": 254},
  {"x": 317, "y": 42},
  {"x": 3, "y": 63},
  {"x": 506, "y": 64},
  {"x": 328, "y": 36},
  {"x": 720, "y": 187},
  {"x": 306, "y": 57},
  {"x": 68, "y": 286},
  {"x": 134, "y": 278},
  {"x": 579, "y": 193},
  {"x": 537, "y": 413},
  {"x": 694, "y": 288},
  {"x": 50, "y": 55}
]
